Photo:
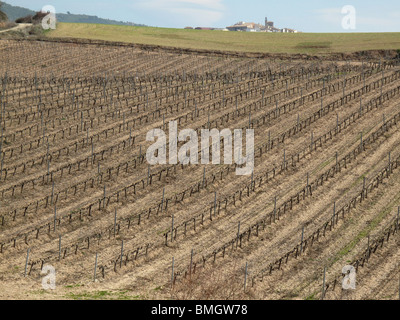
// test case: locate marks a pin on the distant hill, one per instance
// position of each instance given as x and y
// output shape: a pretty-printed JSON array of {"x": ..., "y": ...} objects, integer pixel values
[
  {"x": 15, "y": 12},
  {"x": 83, "y": 18},
  {"x": 3, "y": 16}
]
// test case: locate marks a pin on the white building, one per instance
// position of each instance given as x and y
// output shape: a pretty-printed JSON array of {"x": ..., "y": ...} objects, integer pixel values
[
  {"x": 288, "y": 30},
  {"x": 256, "y": 27}
]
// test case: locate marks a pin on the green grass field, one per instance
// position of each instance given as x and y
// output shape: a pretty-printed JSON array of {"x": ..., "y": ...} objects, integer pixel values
[{"x": 305, "y": 43}]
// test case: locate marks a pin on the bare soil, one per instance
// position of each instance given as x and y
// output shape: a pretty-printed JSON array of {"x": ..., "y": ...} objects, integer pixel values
[{"x": 74, "y": 108}]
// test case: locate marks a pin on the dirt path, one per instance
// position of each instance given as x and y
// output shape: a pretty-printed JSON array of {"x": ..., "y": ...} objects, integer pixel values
[{"x": 21, "y": 26}]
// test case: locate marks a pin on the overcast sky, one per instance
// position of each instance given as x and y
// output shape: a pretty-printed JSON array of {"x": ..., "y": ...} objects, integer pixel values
[{"x": 303, "y": 15}]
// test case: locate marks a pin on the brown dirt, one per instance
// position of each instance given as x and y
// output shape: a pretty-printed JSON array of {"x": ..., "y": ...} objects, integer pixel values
[{"x": 49, "y": 74}]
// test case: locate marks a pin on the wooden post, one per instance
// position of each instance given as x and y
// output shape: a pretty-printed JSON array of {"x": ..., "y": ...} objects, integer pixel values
[
  {"x": 322, "y": 103},
  {"x": 172, "y": 272},
  {"x": 302, "y": 238},
  {"x": 191, "y": 263},
  {"x": 364, "y": 180},
  {"x": 245, "y": 277},
  {"x": 237, "y": 236},
  {"x": 334, "y": 213},
  {"x": 55, "y": 217},
  {"x": 337, "y": 162},
  {"x": 95, "y": 269},
  {"x": 162, "y": 201},
  {"x": 337, "y": 122},
  {"x": 249, "y": 120},
  {"x": 323, "y": 285},
  {"x": 215, "y": 203},
  {"x": 301, "y": 95},
  {"x": 172, "y": 228},
  {"x": 48, "y": 163},
  {"x": 284, "y": 159},
  {"x": 115, "y": 221},
  {"x": 237, "y": 111},
  {"x": 59, "y": 248},
  {"x": 2, "y": 164},
  {"x": 26, "y": 262},
  {"x": 269, "y": 139},
  {"x": 1, "y": 144},
  {"x": 344, "y": 85},
  {"x": 122, "y": 253},
  {"x": 312, "y": 140},
  {"x": 52, "y": 194},
  {"x": 104, "y": 196}
]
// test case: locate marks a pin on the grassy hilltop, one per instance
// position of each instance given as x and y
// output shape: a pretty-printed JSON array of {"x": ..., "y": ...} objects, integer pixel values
[{"x": 307, "y": 43}]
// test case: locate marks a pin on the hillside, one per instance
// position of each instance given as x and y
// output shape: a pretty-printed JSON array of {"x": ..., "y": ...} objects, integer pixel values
[
  {"x": 15, "y": 12},
  {"x": 79, "y": 195},
  {"x": 3, "y": 16},
  {"x": 303, "y": 43}
]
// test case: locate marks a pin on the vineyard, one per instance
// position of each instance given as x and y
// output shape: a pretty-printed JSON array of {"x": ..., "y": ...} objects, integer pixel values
[{"x": 78, "y": 194}]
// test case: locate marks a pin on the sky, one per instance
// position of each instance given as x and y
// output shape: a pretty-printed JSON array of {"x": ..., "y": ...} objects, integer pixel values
[{"x": 305, "y": 15}]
